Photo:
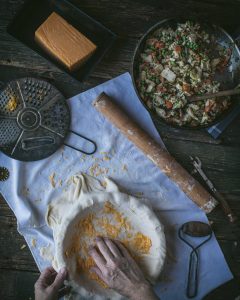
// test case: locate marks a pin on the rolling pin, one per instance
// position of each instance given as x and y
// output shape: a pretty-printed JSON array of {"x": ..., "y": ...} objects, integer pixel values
[{"x": 159, "y": 156}]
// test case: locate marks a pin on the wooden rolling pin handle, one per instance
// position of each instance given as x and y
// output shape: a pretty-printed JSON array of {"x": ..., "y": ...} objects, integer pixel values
[{"x": 159, "y": 156}]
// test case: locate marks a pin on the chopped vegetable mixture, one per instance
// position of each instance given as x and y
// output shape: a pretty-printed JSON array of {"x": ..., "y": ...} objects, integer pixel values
[{"x": 179, "y": 63}]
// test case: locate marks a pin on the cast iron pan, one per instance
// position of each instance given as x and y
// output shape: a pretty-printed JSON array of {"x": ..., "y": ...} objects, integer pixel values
[{"x": 228, "y": 79}]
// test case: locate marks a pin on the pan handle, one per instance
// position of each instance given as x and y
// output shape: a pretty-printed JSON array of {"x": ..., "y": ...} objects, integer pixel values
[
  {"x": 84, "y": 138},
  {"x": 236, "y": 37}
]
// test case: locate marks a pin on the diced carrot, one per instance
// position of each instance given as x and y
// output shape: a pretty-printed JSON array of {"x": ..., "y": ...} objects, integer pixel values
[
  {"x": 208, "y": 107},
  {"x": 159, "y": 45},
  {"x": 198, "y": 58},
  {"x": 162, "y": 79},
  {"x": 168, "y": 104},
  {"x": 161, "y": 89},
  {"x": 186, "y": 87},
  {"x": 207, "y": 81},
  {"x": 224, "y": 62},
  {"x": 178, "y": 49}
]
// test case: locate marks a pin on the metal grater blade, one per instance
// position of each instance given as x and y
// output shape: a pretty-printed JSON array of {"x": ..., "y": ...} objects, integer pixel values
[{"x": 34, "y": 119}]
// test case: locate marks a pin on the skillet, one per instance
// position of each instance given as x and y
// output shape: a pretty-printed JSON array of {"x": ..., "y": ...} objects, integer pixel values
[{"x": 228, "y": 79}]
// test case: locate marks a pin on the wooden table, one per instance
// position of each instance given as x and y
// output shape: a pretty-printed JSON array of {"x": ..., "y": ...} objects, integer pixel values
[{"x": 129, "y": 20}]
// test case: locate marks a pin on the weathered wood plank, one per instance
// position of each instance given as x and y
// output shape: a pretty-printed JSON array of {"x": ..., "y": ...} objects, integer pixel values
[
  {"x": 222, "y": 165},
  {"x": 17, "y": 284},
  {"x": 231, "y": 291},
  {"x": 11, "y": 254}
]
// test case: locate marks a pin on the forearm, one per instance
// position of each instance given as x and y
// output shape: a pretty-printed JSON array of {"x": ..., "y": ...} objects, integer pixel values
[{"x": 144, "y": 293}]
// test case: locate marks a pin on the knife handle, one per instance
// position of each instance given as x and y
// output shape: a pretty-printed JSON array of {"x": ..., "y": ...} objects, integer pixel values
[{"x": 226, "y": 208}]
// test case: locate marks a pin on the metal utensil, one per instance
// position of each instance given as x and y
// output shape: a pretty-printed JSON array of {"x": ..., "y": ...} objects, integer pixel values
[
  {"x": 226, "y": 208},
  {"x": 214, "y": 95},
  {"x": 194, "y": 229},
  {"x": 35, "y": 120}
]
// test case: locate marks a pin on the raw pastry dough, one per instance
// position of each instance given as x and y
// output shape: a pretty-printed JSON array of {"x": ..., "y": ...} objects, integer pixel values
[{"x": 87, "y": 210}]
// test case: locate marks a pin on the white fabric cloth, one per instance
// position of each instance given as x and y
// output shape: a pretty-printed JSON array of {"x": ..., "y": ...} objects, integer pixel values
[{"x": 28, "y": 190}]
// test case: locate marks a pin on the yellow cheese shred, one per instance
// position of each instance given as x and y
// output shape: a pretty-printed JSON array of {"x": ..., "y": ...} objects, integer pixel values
[
  {"x": 142, "y": 243},
  {"x": 86, "y": 226},
  {"x": 121, "y": 221},
  {"x": 84, "y": 266},
  {"x": 12, "y": 104},
  {"x": 112, "y": 231}
]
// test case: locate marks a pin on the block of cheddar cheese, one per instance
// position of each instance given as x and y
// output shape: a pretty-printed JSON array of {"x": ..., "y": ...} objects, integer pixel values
[{"x": 64, "y": 42}]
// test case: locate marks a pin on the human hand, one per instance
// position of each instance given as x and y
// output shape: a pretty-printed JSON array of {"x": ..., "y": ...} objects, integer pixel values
[
  {"x": 116, "y": 267},
  {"x": 49, "y": 285}
]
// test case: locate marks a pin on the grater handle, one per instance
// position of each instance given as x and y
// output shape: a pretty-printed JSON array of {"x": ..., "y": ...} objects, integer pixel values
[{"x": 85, "y": 138}]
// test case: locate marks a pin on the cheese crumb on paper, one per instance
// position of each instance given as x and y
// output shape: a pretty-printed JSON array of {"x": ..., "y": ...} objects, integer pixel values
[
  {"x": 95, "y": 170},
  {"x": 106, "y": 158},
  {"x": 124, "y": 168},
  {"x": 47, "y": 253},
  {"x": 33, "y": 242},
  {"x": 52, "y": 180},
  {"x": 103, "y": 184}
]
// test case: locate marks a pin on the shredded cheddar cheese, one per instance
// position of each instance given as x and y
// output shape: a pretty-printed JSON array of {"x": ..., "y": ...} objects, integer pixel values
[
  {"x": 142, "y": 243},
  {"x": 86, "y": 226},
  {"x": 112, "y": 231},
  {"x": 109, "y": 222},
  {"x": 121, "y": 221},
  {"x": 52, "y": 180},
  {"x": 84, "y": 266},
  {"x": 12, "y": 104}
]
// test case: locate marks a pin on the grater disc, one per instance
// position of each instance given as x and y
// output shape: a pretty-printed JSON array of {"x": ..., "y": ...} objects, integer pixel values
[{"x": 34, "y": 119}]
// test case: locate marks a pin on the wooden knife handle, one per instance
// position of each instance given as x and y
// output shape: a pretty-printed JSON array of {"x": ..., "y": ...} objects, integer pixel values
[
  {"x": 226, "y": 208},
  {"x": 159, "y": 156}
]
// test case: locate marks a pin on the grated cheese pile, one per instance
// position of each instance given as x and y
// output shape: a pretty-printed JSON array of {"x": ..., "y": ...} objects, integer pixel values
[
  {"x": 110, "y": 224},
  {"x": 12, "y": 104}
]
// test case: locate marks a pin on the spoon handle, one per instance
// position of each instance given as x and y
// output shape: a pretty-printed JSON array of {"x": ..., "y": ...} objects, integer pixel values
[
  {"x": 192, "y": 284},
  {"x": 213, "y": 95}
]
